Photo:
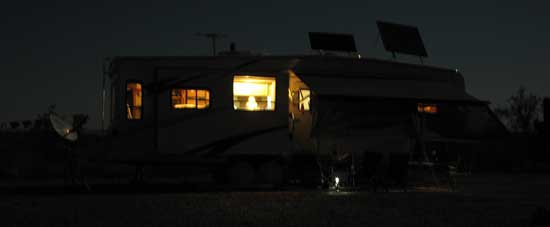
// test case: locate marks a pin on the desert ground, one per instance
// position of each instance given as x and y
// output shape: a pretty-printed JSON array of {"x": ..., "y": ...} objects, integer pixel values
[{"x": 479, "y": 200}]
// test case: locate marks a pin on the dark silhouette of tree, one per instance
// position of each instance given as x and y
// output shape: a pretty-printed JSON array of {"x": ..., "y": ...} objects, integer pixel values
[{"x": 521, "y": 111}]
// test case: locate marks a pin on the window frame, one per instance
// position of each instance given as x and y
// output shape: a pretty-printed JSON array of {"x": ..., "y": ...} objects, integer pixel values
[
  {"x": 125, "y": 108},
  {"x": 253, "y": 75},
  {"x": 196, "y": 98},
  {"x": 113, "y": 105},
  {"x": 299, "y": 99}
]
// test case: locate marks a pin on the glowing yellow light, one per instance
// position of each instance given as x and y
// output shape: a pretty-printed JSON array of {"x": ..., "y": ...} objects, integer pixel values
[
  {"x": 202, "y": 105},
  {"x": 190, "y": 98},
  {"x": 184, "y": 105},
  {"x": 251, "y": 104},
  {"x": 304, "y": 99},
  {"x": 249, "y": 88},
  {"x": 253, "y": 93},
  {"x": 133, "y": 100},
  {"x": 289, "y": 95},
  {"x": 427, "y": 108},
  {"x": 269, "y": 103}
]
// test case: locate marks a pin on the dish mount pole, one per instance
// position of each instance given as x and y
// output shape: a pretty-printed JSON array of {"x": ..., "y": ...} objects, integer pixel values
[{"x": 213, "y": 37}]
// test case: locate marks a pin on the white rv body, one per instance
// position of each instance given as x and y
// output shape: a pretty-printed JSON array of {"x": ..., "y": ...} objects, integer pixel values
[
  {"x": 187, "y": 130},
  {"x": 356, "y": 105}
]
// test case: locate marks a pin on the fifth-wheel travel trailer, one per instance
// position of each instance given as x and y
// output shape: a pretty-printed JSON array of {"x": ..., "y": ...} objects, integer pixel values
[{"x": 276, "y": 119}]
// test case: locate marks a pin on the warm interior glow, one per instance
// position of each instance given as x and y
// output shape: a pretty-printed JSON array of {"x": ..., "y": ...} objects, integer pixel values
[
  {"x": 269, "y": 103},
  {"x": 250, "y": 87},
  {"x": 251, "y": 104},
  {"x": 426, "y": 108},
  {"x": 304, "y": 99},
  {"x": 203, "y": 99},
  {"x": 289, "y": 95},
  {"x": 190, "y": 98},
  {"x": 133, "y": 101},
  {"x": 253, "y": 93}
]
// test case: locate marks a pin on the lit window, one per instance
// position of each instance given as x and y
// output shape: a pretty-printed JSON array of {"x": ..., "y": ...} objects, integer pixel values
[
  {"x": 133, "y": 101},
  {"x": 183, "y": 98},
  {"x": 304, "y": 99},
  {"x": 426, "y": 108},
  {"x": 253, "y": 93}
]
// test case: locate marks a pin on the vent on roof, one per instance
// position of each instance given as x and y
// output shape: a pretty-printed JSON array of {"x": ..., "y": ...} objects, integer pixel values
[{"x": 234, "y": 52}]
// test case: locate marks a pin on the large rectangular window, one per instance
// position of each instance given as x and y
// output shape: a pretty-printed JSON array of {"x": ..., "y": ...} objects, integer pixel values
[
  {"x": 254, "y": 93},
  {"x": 133, "y": 101},
  {"x": 186, "y": 98}
]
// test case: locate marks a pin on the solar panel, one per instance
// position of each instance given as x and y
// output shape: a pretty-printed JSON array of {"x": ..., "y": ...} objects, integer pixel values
[
  {"x": 332, "y": 42},
  {"x": 399, "y": 38}
]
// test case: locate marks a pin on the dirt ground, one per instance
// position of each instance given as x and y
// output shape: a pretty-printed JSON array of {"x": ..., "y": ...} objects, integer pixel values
[{"x": 480, "y": 200}]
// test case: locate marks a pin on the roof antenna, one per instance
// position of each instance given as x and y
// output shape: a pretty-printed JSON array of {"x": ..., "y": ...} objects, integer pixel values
[{"x": 213, "y": 37}]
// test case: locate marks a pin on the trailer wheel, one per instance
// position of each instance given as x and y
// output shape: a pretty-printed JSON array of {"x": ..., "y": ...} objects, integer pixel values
[
  {"x": 272, "y": 173},
  {"x": 241, "y": 174}
]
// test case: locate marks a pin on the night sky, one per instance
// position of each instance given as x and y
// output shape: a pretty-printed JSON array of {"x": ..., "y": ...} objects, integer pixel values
[{"x": 51, "y": 51}]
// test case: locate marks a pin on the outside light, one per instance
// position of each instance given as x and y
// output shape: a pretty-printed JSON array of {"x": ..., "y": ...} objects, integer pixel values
[{"x": 336, "y": 181}]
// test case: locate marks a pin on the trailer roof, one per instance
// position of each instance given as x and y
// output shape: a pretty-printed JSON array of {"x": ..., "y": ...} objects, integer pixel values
[
  {"x": 381, "y": 79},
  {"x": 338, "y": 76}
]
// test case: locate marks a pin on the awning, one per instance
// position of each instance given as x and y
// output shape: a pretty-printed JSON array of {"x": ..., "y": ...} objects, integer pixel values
[
  {"x": 381, "y": 79},
  {"x": 339, "y": 85}
]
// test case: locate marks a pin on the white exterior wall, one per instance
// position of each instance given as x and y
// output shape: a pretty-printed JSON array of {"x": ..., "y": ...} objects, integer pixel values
[{"x": 182, "y": 130}]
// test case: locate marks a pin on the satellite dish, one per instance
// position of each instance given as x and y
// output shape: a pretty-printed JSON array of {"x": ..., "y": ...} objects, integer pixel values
[{"x": 64, "y": 127}]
